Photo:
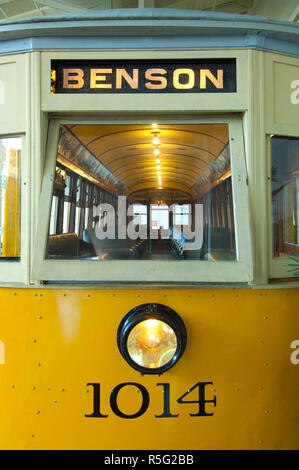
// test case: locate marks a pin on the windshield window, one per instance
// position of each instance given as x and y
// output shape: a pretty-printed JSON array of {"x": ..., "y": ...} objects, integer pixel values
[{"x": 146, "y": 192}]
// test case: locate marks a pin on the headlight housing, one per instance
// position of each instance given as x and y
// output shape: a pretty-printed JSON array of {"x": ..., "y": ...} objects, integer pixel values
[{"x": 151, "y": 338}]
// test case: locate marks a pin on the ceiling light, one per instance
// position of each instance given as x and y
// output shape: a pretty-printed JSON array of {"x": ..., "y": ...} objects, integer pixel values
[
  {"x": 156, "y": 152},
  {"x": 156, "y": 141},
  {"x": 158, "y": 160}
]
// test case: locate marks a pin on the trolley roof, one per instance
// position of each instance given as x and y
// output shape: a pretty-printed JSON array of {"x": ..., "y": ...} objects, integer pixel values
[{"x": 160, "y": 27}]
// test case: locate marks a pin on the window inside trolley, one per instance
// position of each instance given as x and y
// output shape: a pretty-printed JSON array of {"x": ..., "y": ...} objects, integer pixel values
[
  {"x": 144, "y": 192},
  {"x": 285, "y": 195}
]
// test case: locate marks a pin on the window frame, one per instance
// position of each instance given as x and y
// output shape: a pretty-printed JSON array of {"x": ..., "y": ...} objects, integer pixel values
[
  {"x": 148, "y": 271},
  {"x": 16, "y": 271},
  {"x": 176, "y": 214}
]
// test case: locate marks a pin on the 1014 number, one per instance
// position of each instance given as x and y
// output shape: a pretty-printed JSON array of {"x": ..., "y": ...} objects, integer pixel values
[{"x": 199, "y": 398}]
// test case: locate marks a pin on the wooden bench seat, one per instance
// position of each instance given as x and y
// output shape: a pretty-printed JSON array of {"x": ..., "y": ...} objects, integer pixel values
[
  {"x": 116, "y": 248},
  {"x": 69, "y": 246}
]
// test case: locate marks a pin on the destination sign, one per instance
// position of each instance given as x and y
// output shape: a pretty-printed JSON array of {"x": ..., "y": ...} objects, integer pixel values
[{"x": 198, "y": 76}]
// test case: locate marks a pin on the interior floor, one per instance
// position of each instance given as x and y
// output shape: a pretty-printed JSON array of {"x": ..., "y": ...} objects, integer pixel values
[{"x": 159, "y": 250}]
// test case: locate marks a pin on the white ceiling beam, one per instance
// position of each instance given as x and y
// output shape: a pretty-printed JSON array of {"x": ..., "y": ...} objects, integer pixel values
[
  {"x": 295, "y": 15},
  {"x": 214, "y": 5},
  {"x": 146, "y": 3},
  {"x": 277, "y": 9},
  {"x": 2, "y": 2},
  {"x": 38, "y": 9},
  {"x": 61, "y": 5},
  {"x": 3, "y": 13}
]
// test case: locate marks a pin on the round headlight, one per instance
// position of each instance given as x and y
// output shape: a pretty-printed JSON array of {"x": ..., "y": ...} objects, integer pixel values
[{"x": 151, "y": 337}]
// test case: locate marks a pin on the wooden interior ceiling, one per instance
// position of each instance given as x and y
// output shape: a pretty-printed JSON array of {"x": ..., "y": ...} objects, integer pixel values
[{"x": 186, "y": 152}]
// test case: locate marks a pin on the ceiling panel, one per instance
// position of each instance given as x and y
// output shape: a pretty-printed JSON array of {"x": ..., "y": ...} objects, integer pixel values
[{"x": 186, "y": 152}]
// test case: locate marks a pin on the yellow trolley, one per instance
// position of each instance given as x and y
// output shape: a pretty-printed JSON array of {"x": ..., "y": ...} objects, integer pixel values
[{"x": 149, "y": 231}]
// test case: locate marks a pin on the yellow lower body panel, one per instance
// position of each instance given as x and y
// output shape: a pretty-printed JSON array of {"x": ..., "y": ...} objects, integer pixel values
[{"x": 240, "y": 366}]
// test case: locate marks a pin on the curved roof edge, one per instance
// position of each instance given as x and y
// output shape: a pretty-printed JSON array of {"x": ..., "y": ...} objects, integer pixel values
[
  {"x": 148, "y": 13},
  {"x": 155, "y": 28}
]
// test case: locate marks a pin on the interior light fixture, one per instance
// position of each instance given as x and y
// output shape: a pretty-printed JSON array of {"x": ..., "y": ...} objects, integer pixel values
[
  {"x": 156, "y": 152},
  {"x": 156, "y": 141},
  {"x": 158, "y": 160},
  {"x": 151, "y": 338}
]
